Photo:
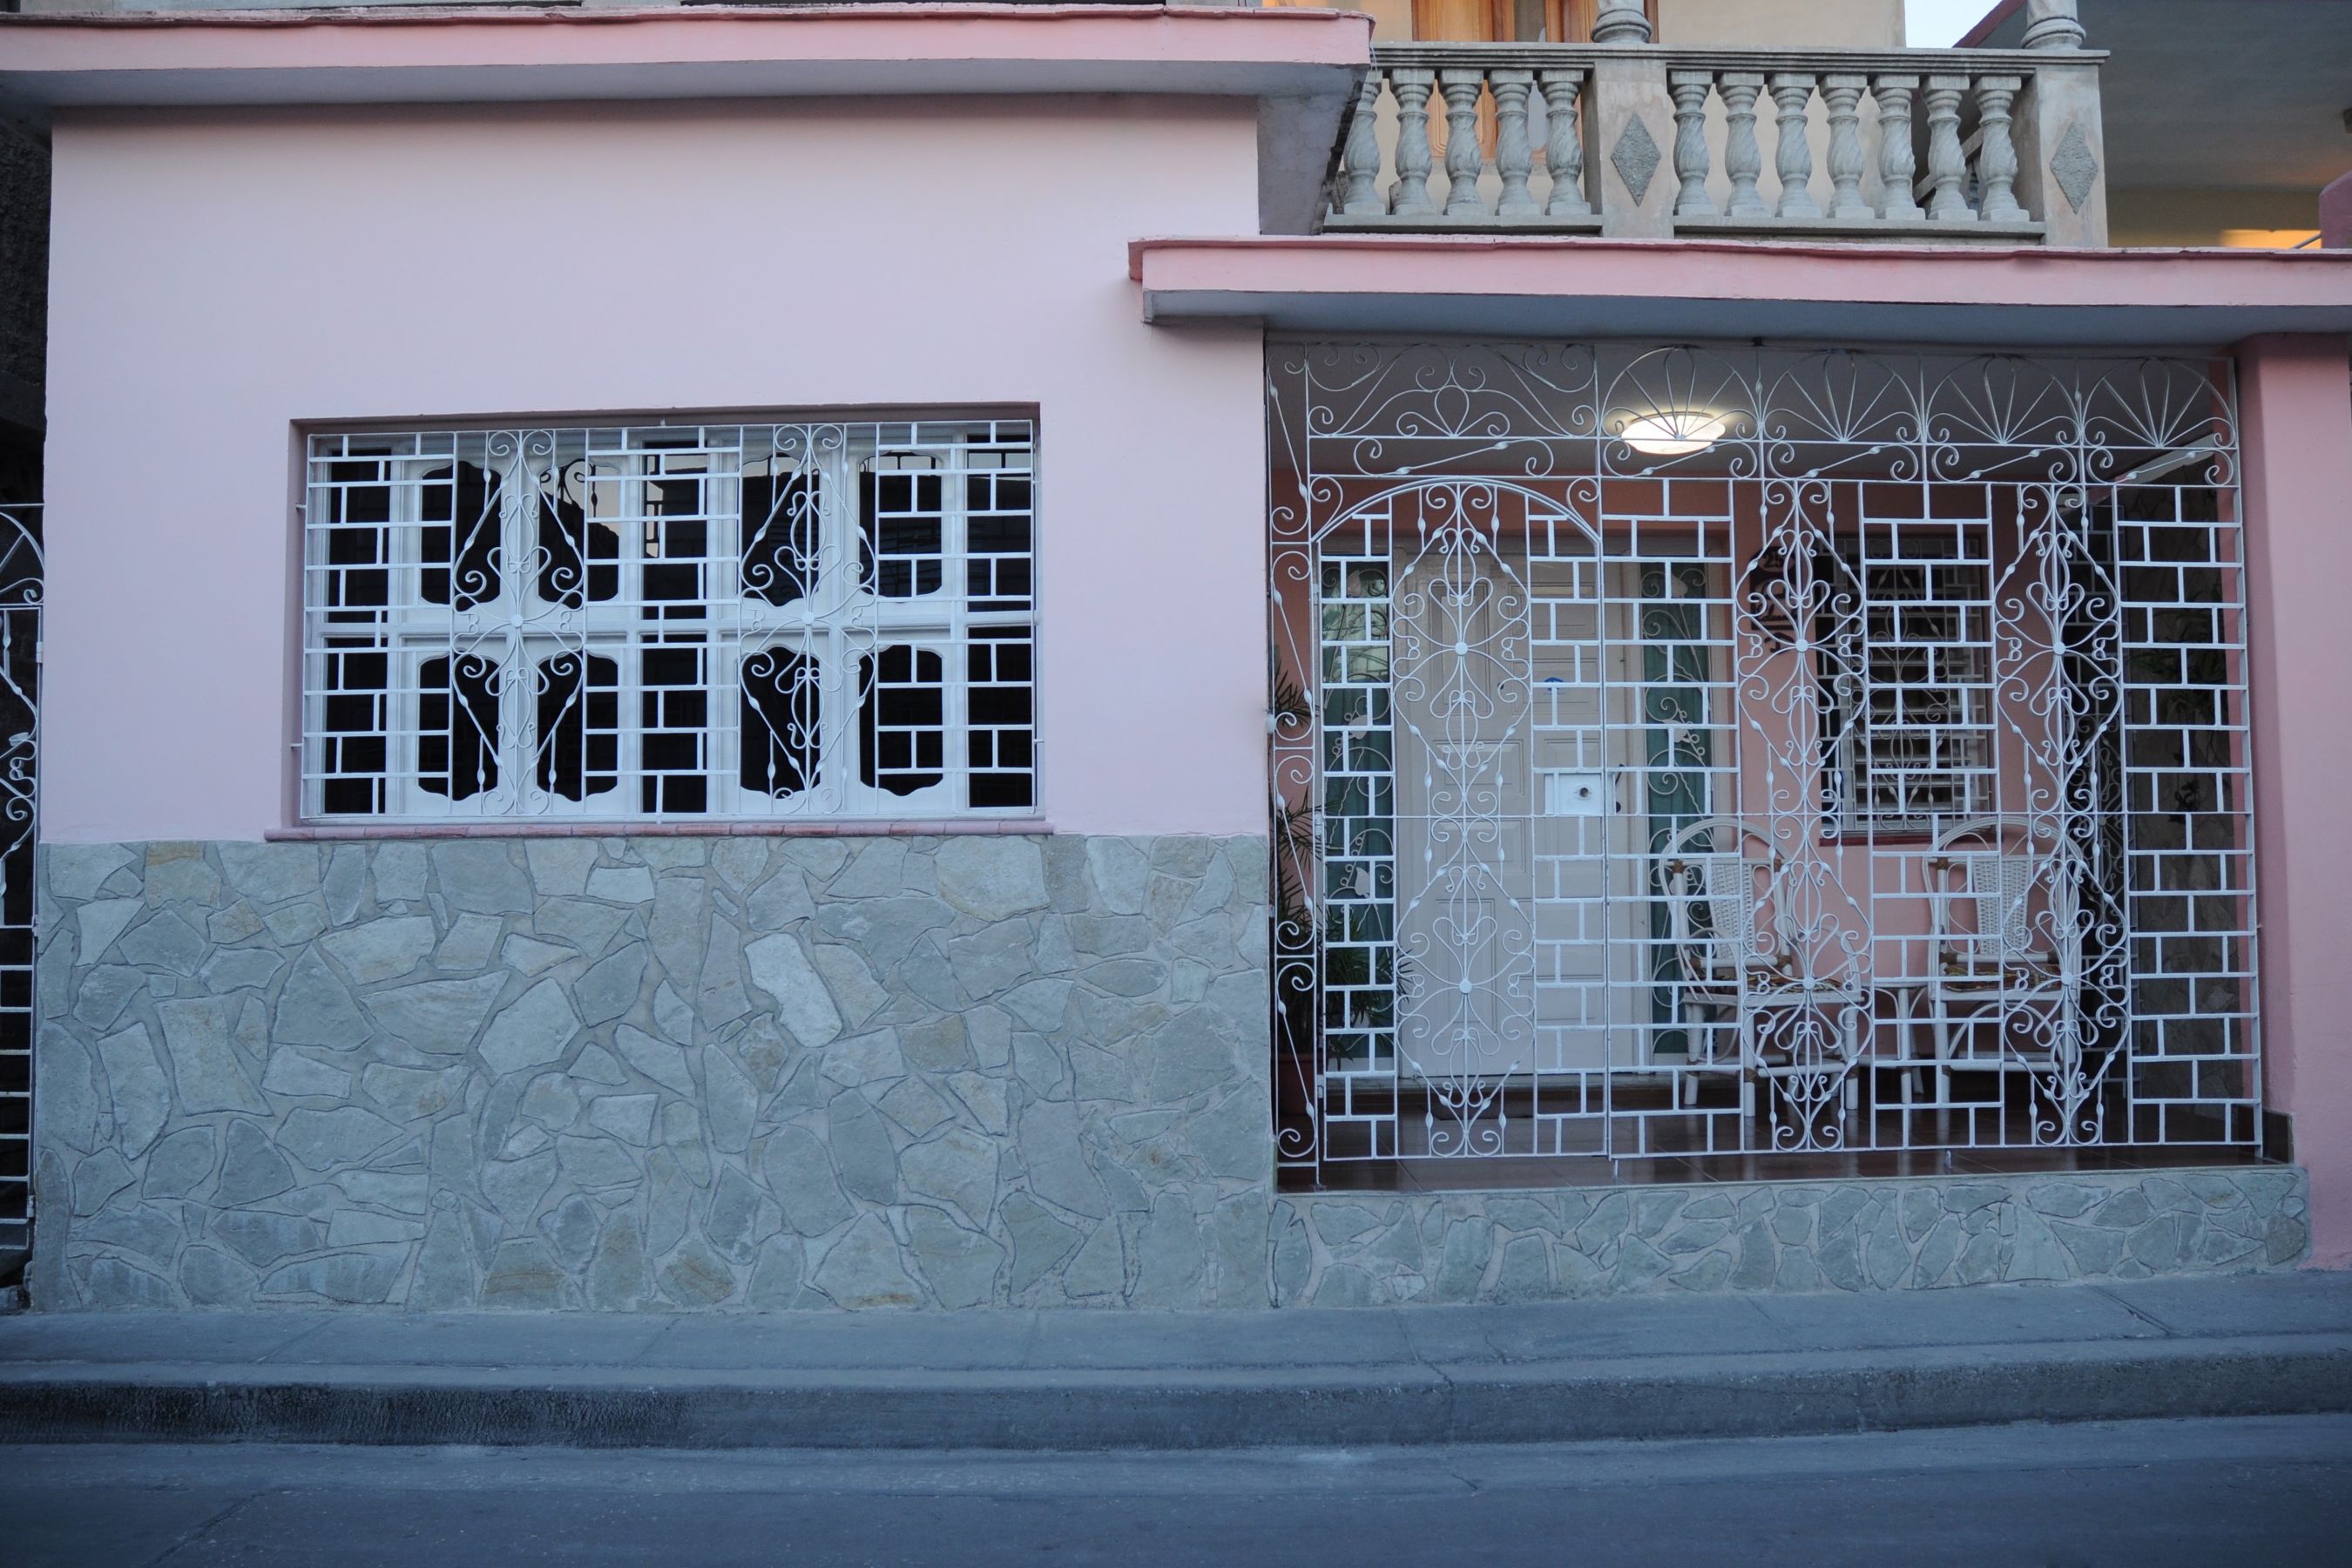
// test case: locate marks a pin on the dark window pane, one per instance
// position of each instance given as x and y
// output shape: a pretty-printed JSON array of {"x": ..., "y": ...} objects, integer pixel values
[
  {"x": 458, "y": 726},
  {"x": 902, "y": 522},
  {"x": 360, "y": 507},
  {"x": 677, "y": 546},
  {"x": 674, "y": 716},
  {"x": 780, "y": 536},
  {"x": 997, "y": 536},
  {"x": 577, "y": 700},
  {"x": 353, "y": 724},
  {"x": 1000, "y": 710},
  {"x": 901, "y": 719},
  {"x": 459, "y": 507},
  {"x": 782, "y": 735},
  {"x": 579, "y": 558}
]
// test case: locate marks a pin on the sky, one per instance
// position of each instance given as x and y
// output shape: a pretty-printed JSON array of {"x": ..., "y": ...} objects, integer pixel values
[{"x": 1937, "y": 23}]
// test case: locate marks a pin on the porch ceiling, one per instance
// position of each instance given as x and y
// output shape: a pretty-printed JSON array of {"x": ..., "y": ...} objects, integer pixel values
[
  {"x": 1684, "y": 289},
  {"x": 2229, "y": 93}
]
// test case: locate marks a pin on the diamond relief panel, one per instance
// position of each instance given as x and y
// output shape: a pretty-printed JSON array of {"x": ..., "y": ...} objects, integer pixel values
[{"x": 1636, "y": 157}]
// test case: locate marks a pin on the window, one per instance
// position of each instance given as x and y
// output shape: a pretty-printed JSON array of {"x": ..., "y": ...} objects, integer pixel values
[
  {"x": 1906, "y": 691},
  {"x": 670, "y": 622}
]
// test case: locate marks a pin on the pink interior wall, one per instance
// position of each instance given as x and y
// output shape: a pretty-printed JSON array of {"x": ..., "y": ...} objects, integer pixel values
[
  {"x": 216, "y": 278},
  {"x": 2295, "y": 402}
]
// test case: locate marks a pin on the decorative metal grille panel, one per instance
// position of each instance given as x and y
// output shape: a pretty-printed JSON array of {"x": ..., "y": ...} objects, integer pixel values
[
  {"x": 20, "y": 715},
  {"x": 1685, "y": 752},
  {"x": 661, "y": 622}
]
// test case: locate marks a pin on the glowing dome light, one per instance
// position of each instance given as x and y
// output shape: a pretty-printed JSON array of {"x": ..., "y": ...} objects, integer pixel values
[{"x": 1675, "y": 433}]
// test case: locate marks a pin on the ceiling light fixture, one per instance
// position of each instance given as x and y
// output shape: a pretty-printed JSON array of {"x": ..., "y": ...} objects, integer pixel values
[{"x": 1676, "y": 432}]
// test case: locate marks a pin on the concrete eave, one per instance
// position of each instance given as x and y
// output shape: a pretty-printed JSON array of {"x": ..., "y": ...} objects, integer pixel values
[
  {"x": 1696, "y": 288},
  {"x": 230, "y": 58}
]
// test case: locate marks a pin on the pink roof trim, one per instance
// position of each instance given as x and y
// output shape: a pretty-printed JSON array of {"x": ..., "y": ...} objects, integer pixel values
[
  {"x": 134, "y": 41},
  {"x": 1746, "y": 270}
]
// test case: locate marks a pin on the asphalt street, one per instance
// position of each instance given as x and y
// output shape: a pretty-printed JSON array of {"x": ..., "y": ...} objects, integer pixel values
[{"x": 2144, "y": 1494}]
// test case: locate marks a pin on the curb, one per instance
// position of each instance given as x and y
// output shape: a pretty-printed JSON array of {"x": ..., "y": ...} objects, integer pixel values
[{"x": 1401, "y": 1404}]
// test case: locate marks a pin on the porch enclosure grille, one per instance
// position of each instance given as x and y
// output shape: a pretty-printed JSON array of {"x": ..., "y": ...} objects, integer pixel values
[
  {"x": 1691, "y": 751},
  {"x": 670, "y": 621},
  {"x": 20, "y": 709}
]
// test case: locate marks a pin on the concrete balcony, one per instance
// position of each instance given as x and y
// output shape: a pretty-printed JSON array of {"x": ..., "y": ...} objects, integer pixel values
[{"x": 1633, "y": 139}]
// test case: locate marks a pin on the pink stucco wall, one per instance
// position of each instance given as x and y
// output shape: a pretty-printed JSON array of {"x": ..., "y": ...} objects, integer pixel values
[
  {"x": 216, "y": 278},
  {"x": 2296, "y": 407}
]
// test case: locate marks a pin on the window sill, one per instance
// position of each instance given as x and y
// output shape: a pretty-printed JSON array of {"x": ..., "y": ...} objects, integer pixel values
[{"x": 961, "y": 826}]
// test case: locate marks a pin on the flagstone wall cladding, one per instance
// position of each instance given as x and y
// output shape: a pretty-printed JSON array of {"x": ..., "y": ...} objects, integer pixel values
[
  {"x": 761, "y": 1074},
  {"x": 1361, "y": 1250},
  {"x": 660, "y": 1073}
]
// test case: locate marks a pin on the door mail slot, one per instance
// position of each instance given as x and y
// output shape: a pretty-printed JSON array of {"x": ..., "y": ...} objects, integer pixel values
[{"x": 1576, "y": 794}]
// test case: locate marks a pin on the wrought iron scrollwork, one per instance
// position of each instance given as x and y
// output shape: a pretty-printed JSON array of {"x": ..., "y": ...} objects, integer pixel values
[{"x": 1681, "y": 751}]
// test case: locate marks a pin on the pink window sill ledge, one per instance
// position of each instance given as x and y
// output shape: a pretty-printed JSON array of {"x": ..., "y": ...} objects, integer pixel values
[{"x": 329, "y": 833}]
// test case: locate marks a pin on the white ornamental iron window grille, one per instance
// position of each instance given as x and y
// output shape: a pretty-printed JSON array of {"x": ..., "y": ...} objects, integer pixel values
[
  {"x": 21, "y": 590},
  {"x": 671, "y": 622},
  {"x": 1685, "y": 753}
]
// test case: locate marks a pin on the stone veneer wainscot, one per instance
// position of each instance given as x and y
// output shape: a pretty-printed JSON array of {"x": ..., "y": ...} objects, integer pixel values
[
  {"x": 654, "y": 1073},
  {"x": 665, "y": 1073}
]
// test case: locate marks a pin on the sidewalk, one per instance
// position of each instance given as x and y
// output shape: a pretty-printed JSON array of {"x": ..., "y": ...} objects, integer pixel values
[{"x": 1619, "y": 1369}]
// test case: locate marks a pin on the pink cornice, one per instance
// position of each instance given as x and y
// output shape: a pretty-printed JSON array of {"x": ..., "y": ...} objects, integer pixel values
[
  {"x": 365, "y": 55},
  {"x": 1743, "y": 289}
]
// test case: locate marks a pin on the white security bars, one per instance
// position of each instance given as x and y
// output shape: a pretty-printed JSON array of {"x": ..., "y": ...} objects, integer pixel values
[
  {"x": 1685, "y": 753},
  {"x": 20, "y": 723},
  {"x": 670, "y": 622}
]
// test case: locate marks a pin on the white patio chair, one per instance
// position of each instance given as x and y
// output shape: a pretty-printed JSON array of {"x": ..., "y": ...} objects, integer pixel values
[
  {"x": 2006, "y": 895},
  {"x": 1714, "y": 898}
]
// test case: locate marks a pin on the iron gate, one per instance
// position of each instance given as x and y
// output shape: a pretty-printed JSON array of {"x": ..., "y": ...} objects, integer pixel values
[{"x": 1686, "y": 751}]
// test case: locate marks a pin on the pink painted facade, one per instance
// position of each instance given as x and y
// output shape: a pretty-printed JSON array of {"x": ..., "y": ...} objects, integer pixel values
[
  {"x": 297, "y": 235},
  {"x": 264, "y": 228},
  {"x": 2298, "y": 476}
]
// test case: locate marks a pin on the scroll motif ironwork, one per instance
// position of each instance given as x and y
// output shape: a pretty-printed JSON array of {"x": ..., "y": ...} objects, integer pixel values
[
  {"x": 20, "y": 714},
  {"x": 1683, "y": 751}
]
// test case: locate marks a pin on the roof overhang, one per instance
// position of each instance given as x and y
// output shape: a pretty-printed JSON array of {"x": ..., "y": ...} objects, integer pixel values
[
  {"x": 1700, "y": 290},
  {"x": 1301, "y": 66},
  {"x": 223, "y": 59}
]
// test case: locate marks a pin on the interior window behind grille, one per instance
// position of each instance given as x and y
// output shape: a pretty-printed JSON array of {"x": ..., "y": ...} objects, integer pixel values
[{"x": 1906, "y": 714}]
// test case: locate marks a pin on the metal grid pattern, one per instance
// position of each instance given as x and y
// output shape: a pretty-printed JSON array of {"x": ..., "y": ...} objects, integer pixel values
[
  {"x": 1682, "y": 752},
  {"x": 20, "y": 713},
  {"x": 670, "y": 622}
]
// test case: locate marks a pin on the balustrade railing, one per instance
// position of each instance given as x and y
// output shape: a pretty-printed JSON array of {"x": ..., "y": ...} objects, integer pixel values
[{"x": 1647, "y": 141}]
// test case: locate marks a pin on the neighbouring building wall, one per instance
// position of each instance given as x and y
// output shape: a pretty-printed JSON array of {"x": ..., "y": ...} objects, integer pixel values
[
  {"x": 1846, "y": 24},
  {"x": 24, "y": 290},
  {"x": 1855, "y": 23}
]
